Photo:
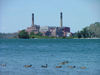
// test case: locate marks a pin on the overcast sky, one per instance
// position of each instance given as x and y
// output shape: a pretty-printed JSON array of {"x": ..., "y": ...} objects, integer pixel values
[{"x": 16, "y": 14}]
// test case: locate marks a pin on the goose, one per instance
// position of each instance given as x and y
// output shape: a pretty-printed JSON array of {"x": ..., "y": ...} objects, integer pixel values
[
  {"x": 71, "y": 67},
  {"x": 45, "y": 66},
  {"x": 27, "y": 66},
  {"x": 82, "y": 67},
  {"x": 4, "y": 65},
  {"x": 62, "y": 63},
  {"x": 58, "y": 66}
]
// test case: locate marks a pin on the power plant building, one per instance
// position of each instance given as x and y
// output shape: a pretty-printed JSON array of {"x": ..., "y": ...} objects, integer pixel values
[
  {"x": 46, "y": 30},
  {"x": 34, "y": 28},
  {"x": 49, "y": 30}
]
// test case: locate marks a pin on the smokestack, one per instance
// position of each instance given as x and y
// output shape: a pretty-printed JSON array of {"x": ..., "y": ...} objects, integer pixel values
[
  {"x": 32, "y": 20},
  {"x": 61, "y": 19}
]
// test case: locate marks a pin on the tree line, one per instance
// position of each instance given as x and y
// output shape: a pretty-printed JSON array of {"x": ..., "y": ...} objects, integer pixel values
[
  {"x": 92, "y": 31},
  {"x": 8, "y": 35}
]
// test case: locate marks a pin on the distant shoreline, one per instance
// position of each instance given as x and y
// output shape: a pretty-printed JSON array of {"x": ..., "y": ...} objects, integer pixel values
[
  {"x": 86, "y": 38},
  {"x": 54, "y": 38}
]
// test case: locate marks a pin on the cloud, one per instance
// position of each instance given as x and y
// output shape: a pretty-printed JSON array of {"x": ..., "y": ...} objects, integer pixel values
[{"x": 4, "y": 28}]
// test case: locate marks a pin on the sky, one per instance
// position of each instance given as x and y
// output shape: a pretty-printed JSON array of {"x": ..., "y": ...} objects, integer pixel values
[{"x": 77, "y": 14}]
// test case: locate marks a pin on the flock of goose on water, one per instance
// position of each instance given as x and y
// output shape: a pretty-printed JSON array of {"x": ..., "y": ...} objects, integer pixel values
[{"x": 55, "y": 66}]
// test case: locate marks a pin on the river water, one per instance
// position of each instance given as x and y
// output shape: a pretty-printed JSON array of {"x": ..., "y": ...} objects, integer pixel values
[{"x": 78, "y": 52}]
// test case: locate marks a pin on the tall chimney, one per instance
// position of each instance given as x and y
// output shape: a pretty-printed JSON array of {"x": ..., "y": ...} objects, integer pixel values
[
  {"x": 61, "y": 19},
  {"x": 32, "y": 20}
]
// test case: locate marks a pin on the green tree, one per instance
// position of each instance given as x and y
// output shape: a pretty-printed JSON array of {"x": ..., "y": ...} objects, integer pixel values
[
  {"x": 95, "y": 29},
  {"x": 39, "y": 33},
  {"x": 91, "y": 31},
  {"x": 23, "y": 34},
  {"x": 79, "y": 34},
  {"x": 64, "y": 37},
  {"x": 85, "y": 32},
  {"x": 31, "y": 34}
]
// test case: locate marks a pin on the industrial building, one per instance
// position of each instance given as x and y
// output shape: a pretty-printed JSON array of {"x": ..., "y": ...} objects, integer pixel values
[
  {"x": 55, "y": 31},
  {"x": 49, "y": 30},
  {"x": 34, "y": 28}
]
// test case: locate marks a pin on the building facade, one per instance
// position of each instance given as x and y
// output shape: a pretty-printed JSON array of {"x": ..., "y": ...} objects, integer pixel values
[
  {"x": 49, "y": 30},
  {"x": 34, "y": 29}
]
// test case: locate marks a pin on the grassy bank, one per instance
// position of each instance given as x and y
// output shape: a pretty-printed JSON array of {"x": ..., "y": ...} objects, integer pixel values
[{"x": 52, "y": 37}]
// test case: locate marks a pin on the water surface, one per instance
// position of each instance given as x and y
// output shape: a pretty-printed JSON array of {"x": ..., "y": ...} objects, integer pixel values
[{"x": 79, "y": 52}]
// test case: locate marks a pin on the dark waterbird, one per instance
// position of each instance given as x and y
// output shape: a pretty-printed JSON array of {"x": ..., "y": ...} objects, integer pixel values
[
  {"x": 71, "y": 67},
  {"x": 4, "y": 65},
  {"x": 27, "y": 65},
  {"x": 62, "y": 63},
  {"x": 45, "y": 66},
  {"x": 82, "y": 67},
  {"x": 58, "y": 66}
]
